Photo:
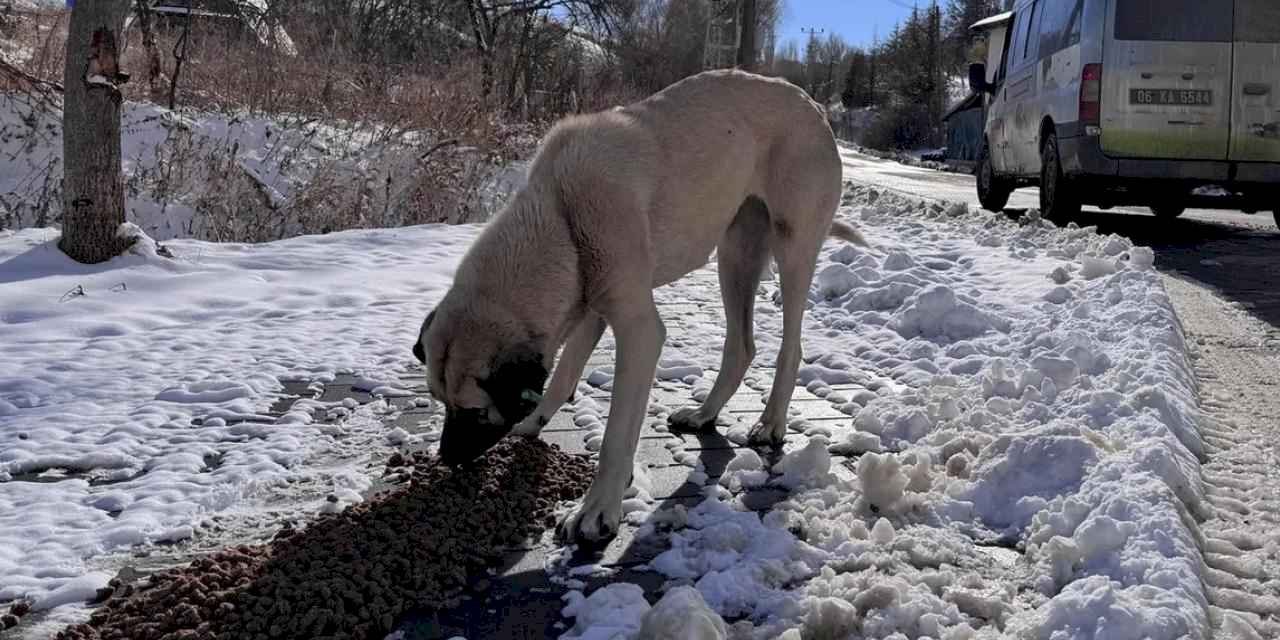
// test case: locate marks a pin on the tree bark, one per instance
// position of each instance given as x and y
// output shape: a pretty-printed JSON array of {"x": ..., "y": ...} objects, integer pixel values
[
  {"x": 482, "y": 29},
  {"x": 747, "y": 43},
  {"x": 179, "y": 56},
  {"x": 93, "y": 184},
  {"x": 155, "y": 72}
]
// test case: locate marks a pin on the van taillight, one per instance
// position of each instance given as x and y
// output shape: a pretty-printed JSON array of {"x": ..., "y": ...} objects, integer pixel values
[{"x": 1091, "y": 94}]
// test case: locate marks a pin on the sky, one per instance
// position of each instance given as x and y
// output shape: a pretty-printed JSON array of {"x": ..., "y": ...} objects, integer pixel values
[{"x": 855, "y": 20}]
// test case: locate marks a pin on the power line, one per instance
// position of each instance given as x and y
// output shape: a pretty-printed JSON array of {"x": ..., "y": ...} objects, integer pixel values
[{"x": 913, "y": 7}]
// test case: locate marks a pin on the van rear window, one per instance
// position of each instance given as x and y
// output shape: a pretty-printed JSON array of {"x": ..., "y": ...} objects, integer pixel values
[
  {"x": 1257, "y": 21},
  {"x": 1173, "y": 21}
]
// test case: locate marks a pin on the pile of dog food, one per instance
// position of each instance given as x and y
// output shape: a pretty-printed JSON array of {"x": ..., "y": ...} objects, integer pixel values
[{"x": 352, "y": 574}]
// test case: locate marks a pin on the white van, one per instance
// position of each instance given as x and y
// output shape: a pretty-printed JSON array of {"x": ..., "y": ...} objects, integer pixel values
[{"x": 1132, "y": 102}]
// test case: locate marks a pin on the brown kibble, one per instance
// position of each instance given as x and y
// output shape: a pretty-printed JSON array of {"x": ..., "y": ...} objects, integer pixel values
[{"x": 354, "y": 573}]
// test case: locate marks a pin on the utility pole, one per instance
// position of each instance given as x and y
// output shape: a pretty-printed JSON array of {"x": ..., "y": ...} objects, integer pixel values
[
  {"x": 747, "y": 41},
  {"x": 813, "y": 33}
]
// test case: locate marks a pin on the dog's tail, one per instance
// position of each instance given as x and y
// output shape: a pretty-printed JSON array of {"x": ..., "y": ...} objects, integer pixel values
[{"x": 847, "y": 232}]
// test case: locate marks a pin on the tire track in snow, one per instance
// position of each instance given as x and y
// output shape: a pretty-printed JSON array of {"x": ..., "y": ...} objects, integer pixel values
[{"x": 1238, "y": 375}]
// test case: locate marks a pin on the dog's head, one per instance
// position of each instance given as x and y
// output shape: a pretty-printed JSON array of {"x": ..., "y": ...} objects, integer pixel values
[{"x": 488, "y": 373}]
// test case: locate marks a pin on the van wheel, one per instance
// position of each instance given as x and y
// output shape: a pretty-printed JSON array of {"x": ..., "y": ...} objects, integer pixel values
[
  {"x": 1167, "y": 211},
  {"x": 1059, "y": 201},
  {"x": 1276, "y": 215},
  {"x": 993, "y": 192}
]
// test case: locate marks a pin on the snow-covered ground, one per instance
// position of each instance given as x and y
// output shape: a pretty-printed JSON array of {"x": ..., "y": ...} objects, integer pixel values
[
  {"x": 1023, "y": 419},
  {"x": 133, "y": 393},
  {"x": 1021, "y": 413},
  {"x": 214, "y": 176}
]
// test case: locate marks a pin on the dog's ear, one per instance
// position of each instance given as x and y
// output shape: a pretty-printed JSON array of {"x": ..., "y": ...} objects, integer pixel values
[
  {"x": 417, "y": 344},
  {"x": 515, "y": 382}
]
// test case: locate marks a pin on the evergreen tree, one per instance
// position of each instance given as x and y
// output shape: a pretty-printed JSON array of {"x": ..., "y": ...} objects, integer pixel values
[{"x": 961, "y": 14}]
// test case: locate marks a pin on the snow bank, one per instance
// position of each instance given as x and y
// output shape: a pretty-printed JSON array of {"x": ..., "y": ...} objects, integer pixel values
[
  {"x": 1021, "y": 401},
  {"x": 145, "y": 394}
]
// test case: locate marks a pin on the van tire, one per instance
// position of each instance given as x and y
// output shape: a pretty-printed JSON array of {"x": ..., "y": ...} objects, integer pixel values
[
  {"x": 993, "y": 191},
  {"x": 1168, "y": 211},
  {"x": 1276, "y": 216},
  {"x": 1059, "y": 200}
]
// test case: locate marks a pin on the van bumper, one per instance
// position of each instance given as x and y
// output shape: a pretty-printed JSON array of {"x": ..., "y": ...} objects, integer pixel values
[{"x": 1084, "y": 161}]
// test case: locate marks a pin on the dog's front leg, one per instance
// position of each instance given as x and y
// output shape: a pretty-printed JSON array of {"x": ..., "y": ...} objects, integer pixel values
[
  {"x": 568, "y": 371},
  {"x": 639, "y": 334}
]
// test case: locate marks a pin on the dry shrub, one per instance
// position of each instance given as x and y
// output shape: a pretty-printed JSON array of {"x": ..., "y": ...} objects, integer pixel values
[
  {"x": 408, "y": 144},
  {"x": 33, "y": 40}
]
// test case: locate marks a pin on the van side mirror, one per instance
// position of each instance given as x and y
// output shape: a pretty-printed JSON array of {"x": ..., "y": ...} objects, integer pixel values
[{"x": 978, "y": 79}]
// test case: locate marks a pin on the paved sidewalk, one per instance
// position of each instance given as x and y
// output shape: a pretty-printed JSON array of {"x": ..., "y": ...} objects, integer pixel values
[{"x": 521, "y": 599}]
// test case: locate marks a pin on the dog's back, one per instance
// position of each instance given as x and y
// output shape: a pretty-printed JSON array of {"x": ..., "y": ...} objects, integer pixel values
[{"x": 690, "y": 155}]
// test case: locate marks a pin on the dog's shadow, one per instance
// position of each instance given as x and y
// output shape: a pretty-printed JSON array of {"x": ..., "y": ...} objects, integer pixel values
[
  {"x": 715, "y": 452},
  {"x": 526, "y": 601}
]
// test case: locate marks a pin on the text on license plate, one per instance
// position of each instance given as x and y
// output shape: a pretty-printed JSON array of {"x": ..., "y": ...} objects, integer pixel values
[{"x": 1179, "y": 97}]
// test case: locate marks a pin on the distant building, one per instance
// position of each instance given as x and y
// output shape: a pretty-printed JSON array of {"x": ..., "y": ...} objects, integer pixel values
[
  {"x": 965, "y": 125},
  {"x": 235, "y": 16}
]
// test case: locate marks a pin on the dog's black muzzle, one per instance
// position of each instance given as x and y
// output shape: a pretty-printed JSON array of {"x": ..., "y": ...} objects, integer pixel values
[{"x": 468, "y": 434}]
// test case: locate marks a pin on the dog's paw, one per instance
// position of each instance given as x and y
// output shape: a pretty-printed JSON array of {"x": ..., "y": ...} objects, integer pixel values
[
  {"x": 690, "y": 420},
  {"x": 591, "y": 522},
  {"x": 531, "y": 426},
  {"x": 767, "y": 435}
]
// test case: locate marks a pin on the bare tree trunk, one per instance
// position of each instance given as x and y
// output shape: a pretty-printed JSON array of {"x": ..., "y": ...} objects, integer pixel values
[
  {"x": 179, "y": 56},
  {"x": 482, "y": 30},
  {"x": 93, "y": 185},
  {"x": 521, "y": 63},
  {"x": 155, "y": 72},
  {"x": 747, "y": 43}
]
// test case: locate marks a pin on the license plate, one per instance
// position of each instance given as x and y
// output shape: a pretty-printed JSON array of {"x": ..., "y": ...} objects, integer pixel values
[{"x": 1172, "y": 97}]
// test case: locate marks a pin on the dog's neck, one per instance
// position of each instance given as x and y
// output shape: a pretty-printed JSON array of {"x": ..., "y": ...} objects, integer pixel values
[{"x": 529, "y": 265}]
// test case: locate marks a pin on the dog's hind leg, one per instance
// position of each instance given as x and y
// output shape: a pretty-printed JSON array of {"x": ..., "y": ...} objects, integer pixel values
[
  {"x": 795, "y": 268},
  {"x": 800, "y": 220},
  {"x": 740, "y": 258},
  {"x": 573, "y": 359}
]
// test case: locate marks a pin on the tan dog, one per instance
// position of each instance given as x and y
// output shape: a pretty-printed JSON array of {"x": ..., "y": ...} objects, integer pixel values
[{"x": 618, "y": 203}]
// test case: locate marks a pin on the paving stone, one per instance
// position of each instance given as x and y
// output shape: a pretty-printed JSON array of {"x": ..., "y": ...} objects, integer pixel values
[
  {"x": 340, "y": 392},
  {"x": 707, "y": 441},
  {"x": 568, "y": 441},
  {"x": 814, "y": 410},
  {"x": 625, "y": 550},
  {"x": 561, "y": 421},
  {"x": 672, "y": 482},
  {"x": 414, "y": 422},
  {"x": 653, "y": 452},
  {"x": 763, "y": 499}
]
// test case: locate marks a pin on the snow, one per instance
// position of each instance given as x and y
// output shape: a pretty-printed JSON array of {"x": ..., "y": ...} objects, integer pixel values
[
  {"x": 150, "y": 402},
  {"x": 1019, "y": 399},
  {"x": 1023, "y": 414},
  {"x": 606, "y": 613},
  {"x": 682, "y": 614}
]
